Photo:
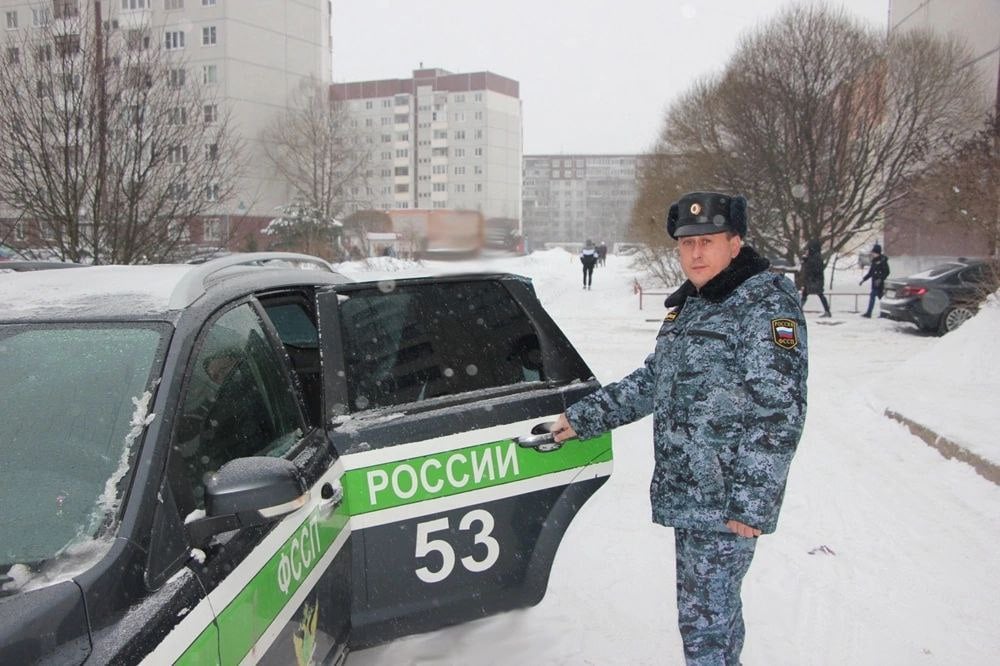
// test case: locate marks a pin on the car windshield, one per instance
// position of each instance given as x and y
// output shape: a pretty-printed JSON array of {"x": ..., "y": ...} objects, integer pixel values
[{"x": 70, "y": 400}]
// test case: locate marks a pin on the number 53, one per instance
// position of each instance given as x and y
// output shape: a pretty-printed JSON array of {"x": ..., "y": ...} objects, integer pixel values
[{"x": 425, "y": 546}]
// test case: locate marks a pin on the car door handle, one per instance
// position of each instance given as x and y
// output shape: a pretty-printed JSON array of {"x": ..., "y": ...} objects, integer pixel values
[{"x": 541, "y": 439}]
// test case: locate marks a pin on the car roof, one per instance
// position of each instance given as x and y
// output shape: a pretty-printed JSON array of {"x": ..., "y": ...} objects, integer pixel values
[
  {"x": 98, "y": 292},
  {"x": 18, "y": 266}
]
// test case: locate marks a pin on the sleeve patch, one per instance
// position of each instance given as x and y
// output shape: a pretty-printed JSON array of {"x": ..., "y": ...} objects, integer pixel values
[
  {"x": 671, "y": 315},
  {"x": 785, "y": 333}
]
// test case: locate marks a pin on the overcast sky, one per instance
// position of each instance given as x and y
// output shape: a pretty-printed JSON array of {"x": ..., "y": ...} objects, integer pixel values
[{"x": 595, "y": 75}]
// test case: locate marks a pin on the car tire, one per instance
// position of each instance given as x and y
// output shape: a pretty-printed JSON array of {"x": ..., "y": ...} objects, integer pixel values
[{"x": 954, "y": 317}]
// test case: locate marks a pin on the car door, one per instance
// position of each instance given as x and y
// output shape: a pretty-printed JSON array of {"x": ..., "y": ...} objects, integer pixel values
[
  {"x": 265, "y": 585},
  {"x": 434, "y": 379}
]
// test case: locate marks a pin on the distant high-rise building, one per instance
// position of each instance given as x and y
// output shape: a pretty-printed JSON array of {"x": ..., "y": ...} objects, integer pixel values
[
  {"x": 440, "y": 140},
  {"x": 576, "y": 197},
  {"x": 917, "y": 231},
  {"x": 975, "y": 21}
]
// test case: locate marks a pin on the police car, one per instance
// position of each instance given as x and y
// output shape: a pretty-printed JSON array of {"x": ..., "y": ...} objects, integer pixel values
[{"x": 249, "y": 461}]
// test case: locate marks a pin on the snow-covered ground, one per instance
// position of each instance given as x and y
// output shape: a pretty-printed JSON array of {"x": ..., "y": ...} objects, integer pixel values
[{"x": 886, "y": 552}]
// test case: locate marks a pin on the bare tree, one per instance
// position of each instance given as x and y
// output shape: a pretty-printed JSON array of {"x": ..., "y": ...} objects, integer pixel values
[
  {"x": 820, "y": 122},
  {"x": 112, "y": 146},
  {"x": 964, "y": 186},
  {"x": 314, "y": 144}
]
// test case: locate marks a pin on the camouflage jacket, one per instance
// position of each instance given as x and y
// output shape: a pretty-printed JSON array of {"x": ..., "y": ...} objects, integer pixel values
[{"x": 726, "y": 386}]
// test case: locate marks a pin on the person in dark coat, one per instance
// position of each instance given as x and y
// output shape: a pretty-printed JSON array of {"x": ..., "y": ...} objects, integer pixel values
[
  {"x": 588, "y": 257},
  {"x": 878, "y": 272},
  {"x": 602, "y": 253},
  {"x": 726, "y": 385},
  {"x": 812, "y": 275}
]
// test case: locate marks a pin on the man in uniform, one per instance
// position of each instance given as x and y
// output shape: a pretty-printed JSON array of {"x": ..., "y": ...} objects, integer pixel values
[{"x": 726, "y": 385}]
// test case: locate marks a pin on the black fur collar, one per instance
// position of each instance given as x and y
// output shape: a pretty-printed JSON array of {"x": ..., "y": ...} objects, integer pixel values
[{"x": 746, "y": 264}]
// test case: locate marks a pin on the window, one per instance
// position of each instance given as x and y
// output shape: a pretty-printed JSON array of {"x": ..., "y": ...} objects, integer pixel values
[
  {"x": 176, "y": 78},
  {"x": 208, "y": 36},
  {"x": 402, "y": 100},
  {"x": 386, "y": 138},
  {"x": 209, "y": 74},
  {"x": 460, "y": 171},
  {"x": 178, "y": 191},
  {"x": 439, "y": 152},
  {"x": 440, "y": 187},
  {"x": 212, "y": 229},
  {"x": 440, "y": 168},
  {"x": 211, "y": 112},
  {"x": 420, "y": 342},
  {"x": 212, "y": 192},
  {"x": 135, "y": 4},
  {"x": 402, "y": 171},
  {"x": 13, "y": 55},
  {"x": 479, "y": 134},
  {"x": 136, "y": 40},
  {"x": 177, "y": 155},
  {"x": 11, "y": 20},
  {"x": 460, "y": 152},
  {"x": 207, "y": 3},
  {"x": 173, "y": 4},
  {"x": 460, "y": 134},
  {"x": 238, "y": 401},
  {"x": 212, "y": 152},
  {"x": 401, "y": 118},
  {"x": 368, "y": 104},
  {"x": 174, "y": 39},
  {"x": 402, "y": 188},
  {"x": 177, "y": 116},
  {"x": 40, "y": 16},
  {"x": 43, "y": 53},
  {"x": 479, "y": 97},
  {"x": 64, "y": 9},
  {"x": 403, "y": 152}
]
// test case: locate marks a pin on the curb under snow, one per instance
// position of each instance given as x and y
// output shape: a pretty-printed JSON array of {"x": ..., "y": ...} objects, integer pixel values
[{"x": 949, "y": 449}]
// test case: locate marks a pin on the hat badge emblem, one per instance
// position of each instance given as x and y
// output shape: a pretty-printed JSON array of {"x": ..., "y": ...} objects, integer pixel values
[{"x": 696, "y": 208}]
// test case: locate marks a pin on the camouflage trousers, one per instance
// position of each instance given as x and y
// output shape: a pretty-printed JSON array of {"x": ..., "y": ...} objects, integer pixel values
[{"x": 710, "y": 570}]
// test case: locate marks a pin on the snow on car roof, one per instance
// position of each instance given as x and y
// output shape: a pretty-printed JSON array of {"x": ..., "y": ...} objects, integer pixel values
[{"x": 95, "y": 290}]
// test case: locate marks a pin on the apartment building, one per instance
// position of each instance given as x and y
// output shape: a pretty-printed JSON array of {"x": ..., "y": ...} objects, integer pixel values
[
  {"x": 570, "y": 198},
  {"x": 916, "y": 232},
  {"x": 253, "y": 54},
  {"x": 440, "y": 140}
]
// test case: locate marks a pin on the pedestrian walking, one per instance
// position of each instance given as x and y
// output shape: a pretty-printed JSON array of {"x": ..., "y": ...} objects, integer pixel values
[
  {"x": 812, "y": 275},
  {"x": 878, "y": 271},
  {"x": 602, "y": 253},
  {"x": 588, "y": 257},
  {"x": 726, "y": 385}
]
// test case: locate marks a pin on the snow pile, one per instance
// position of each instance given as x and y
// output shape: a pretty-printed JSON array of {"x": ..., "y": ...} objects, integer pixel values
[{"x": 947, "y": 386}]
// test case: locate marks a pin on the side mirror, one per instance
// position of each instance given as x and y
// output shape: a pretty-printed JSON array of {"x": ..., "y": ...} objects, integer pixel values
[{"x": 247, "y": 492}]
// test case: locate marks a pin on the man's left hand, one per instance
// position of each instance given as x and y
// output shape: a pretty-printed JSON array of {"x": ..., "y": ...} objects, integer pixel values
[{"x": 742, "y": 529}]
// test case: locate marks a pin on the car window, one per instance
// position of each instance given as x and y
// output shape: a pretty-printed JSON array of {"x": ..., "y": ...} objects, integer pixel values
[
  {"x": 418, "y": 342},
  {"x": 294, "y": 325},
  {"x": 297, "y": 331},
  {"x": 238, "y": 402},
  {"x": 972, "y": 274},
  {"x": 67, "y": 403}
]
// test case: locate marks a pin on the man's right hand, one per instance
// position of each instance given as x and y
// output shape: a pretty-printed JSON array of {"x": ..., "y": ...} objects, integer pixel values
[{"x": 562, "y": 430}]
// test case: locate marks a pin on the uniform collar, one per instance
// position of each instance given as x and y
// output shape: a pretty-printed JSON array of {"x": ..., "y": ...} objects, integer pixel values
[{"x": 746, "y": 264}]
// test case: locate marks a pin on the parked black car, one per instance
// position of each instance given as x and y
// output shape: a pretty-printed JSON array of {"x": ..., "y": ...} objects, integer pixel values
[
  {"x": 942, "y": 298},
  {"x": 244, "y": 461}
]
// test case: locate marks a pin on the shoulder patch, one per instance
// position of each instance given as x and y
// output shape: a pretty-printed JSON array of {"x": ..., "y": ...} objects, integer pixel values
[
  {"x": 785, "y": 333},
  {"x": 670, "y": 315}
]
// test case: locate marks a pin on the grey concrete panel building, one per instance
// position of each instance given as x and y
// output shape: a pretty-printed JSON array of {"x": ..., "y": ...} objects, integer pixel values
[
  {"x": 570, "y": 198},
  {"x": 441, "y": 140}
]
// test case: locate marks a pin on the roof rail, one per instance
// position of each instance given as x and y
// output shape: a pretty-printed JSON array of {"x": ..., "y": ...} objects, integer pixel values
[{"x": 193, "y": 285}]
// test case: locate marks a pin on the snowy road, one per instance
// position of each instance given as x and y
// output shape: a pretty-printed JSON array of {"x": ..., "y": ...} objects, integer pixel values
[{"x": 886, "y": 553}]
